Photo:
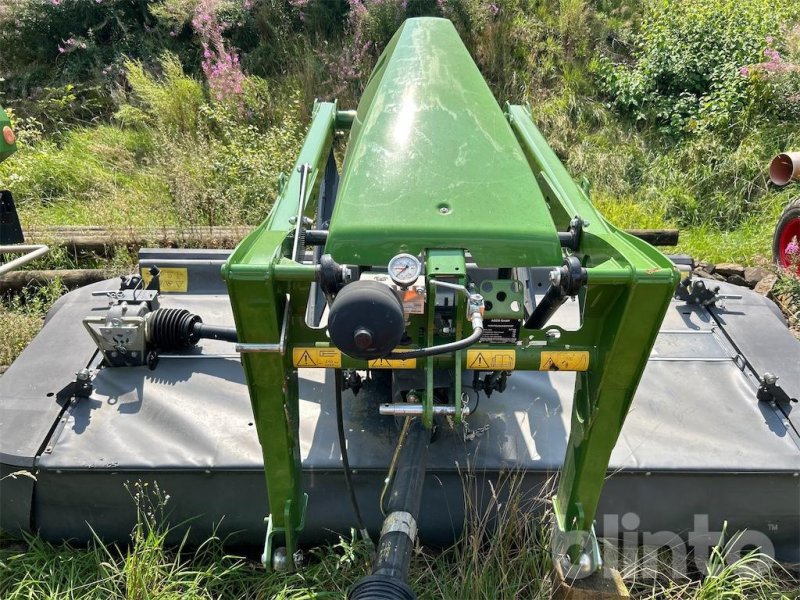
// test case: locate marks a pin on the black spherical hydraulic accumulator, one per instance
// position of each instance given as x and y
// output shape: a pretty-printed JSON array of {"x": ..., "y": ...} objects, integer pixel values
[{"x": 366, "y": 320}]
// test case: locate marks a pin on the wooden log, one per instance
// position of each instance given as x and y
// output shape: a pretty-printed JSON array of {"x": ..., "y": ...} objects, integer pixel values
[
  {"x": 104, "y": 241},
  {"x": 70, "y": 278}
]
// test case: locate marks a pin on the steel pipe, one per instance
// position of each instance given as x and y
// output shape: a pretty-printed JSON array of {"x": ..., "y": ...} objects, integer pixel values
[
  {"x": 32, "y": 252},
  {"x": 410, "y": 410}
]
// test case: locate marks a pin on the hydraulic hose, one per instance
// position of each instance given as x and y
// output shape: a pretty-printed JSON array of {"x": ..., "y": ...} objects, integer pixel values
[
  {"x": 348, "y": 474},
  {"x": 473, "y": 338}
]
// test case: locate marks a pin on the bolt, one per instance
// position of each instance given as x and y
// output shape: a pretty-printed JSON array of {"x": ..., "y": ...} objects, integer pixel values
[
  {"x": 444, "y": 210},
  {"x": 279, "y": 560},
  {"x": 769, "y": 378},
  {"x": 83, "y": 375},
  {"x": 555, "y": 277}
]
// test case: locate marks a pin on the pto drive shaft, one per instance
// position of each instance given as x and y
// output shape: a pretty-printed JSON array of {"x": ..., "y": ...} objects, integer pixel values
[{"x": 399, "y": 532}]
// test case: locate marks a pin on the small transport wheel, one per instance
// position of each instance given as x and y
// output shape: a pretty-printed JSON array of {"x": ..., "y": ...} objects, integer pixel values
[{"x": 786, "y": 239}]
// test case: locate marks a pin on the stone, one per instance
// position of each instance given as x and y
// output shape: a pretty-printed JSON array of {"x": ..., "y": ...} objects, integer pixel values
[
  {"x": 706, "y": 266},
  {"x": 752, "y": 275},
  {"x": 728, "y": 269},
  {"x": 764, "y": 287},
  {"x": 708, "y": 275},
  {"x": 737, "y": 280}
]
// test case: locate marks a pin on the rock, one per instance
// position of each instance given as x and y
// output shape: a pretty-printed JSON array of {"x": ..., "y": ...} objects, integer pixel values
[
  {"x": 764, "y": 287},
  {"x": 728, "y": 269},
  {"x": 752, "y": 275},
  {"x": 707, "y": 275},
  {"x": 737, "y": 280},
  {"x": 706, "y": 266}
]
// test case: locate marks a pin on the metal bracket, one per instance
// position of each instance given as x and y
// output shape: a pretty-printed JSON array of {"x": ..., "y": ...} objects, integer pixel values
[
  {"x": 280, "y": 347},
  {"x": 289, "y": 558},
  {"x": 576, "y": 551}
]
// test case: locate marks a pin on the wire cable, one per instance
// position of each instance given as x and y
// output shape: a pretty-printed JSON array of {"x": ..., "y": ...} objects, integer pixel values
[
  {"x": 348, "y": 474},
  {"x": 393, "y": 464}
]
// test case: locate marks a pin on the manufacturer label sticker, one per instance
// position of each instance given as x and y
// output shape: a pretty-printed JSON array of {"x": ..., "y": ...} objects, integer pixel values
[
  {"x": 500, "y": 331},
  {"x": 317, "y": 358},
  {"x": 491, "y": 360}
]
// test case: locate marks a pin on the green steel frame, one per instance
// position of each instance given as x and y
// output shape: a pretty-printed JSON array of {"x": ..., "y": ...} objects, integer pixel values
[{"x": 629, "y": 287}]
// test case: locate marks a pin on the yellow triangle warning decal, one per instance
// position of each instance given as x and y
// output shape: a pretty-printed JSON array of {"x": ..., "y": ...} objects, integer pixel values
[
  {"x": 305, "y": 360},
  {"x": 319, "y": 358},
  {"x": 478, "y": 362}
]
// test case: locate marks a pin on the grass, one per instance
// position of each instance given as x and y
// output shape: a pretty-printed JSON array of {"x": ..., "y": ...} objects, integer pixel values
[
  {"x": 22, "y": 316},
  {"x": 503, "y": 553}
]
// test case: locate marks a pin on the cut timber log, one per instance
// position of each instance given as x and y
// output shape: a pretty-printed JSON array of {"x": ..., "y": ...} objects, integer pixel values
[
  {"x": 70, "y": 278},
  {"x": 103, "y": 241}
]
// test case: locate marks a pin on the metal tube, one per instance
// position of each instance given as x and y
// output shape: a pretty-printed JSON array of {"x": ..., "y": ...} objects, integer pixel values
[
  {"x": 301, "y": 205},
  {"x": 33, "y": 252},
  {"x": 215, "y": 332},
  {"x": 292, "y": 271},
  {"x": 546, "y": 308},
  {"x": 417, "y": 409}
]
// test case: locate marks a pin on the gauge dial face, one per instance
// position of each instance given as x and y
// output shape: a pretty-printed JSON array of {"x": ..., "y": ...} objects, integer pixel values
[{"x": 404, "y": 269}]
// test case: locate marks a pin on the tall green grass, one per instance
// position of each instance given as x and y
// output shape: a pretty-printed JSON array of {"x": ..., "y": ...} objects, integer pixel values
[{"x": 502, "y": 554}]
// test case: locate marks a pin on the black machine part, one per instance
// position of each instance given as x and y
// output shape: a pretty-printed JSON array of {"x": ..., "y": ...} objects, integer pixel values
[
  {"x": 399, "y": 531},
  {"x": 566, "y": 281},
  {"x": 10, "y": 228},
  {"x": 366, "y": 320},
  {"x": 171, "y": 329}
]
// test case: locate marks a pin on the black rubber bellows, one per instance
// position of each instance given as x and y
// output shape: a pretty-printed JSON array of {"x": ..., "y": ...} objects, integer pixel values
[{"x": 366, "y": 320}]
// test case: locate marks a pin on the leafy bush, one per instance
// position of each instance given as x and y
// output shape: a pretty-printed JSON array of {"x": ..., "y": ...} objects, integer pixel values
[
  {"x": 220, "y": 161},
  {"x": 42, "y": 41},
  {"x": 690, "y": 60}
]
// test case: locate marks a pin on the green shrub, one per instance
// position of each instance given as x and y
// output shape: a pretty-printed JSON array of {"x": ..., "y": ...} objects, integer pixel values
[
  {"x": 220, "y": 160},
  {"x": 688, "y": 59}
]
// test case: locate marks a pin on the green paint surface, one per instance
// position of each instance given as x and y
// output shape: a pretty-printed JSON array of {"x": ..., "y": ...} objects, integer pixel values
[{"x": 432, "y": 163}]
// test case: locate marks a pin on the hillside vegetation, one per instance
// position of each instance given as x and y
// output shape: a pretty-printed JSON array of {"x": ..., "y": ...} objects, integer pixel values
[{"x": 186, "y": 111}]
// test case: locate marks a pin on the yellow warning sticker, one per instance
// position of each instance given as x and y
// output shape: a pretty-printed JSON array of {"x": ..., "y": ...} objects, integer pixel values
[
  {"x": 173, "y": 279},
  {"x": 393, "y": 363},
  {"x": 490, "y": 360},
  {"x": 321, "y": 358},
  {"x": 564, "y": 360}
]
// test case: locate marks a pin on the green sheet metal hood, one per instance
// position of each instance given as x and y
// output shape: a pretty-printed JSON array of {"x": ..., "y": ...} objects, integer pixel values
[{"x": 433, "y": 163}]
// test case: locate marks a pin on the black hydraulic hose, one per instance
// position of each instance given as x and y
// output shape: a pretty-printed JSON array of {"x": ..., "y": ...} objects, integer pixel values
[
  {"x": 473, "y": 338},
  {"x": 399, "y": 533},
  {"x": 348, "y": 474}
]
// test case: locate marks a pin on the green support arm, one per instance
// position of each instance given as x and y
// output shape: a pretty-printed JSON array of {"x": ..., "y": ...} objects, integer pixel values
[
  {"x": 620, "y": 319},
  {"x": 261, "y": 307}
]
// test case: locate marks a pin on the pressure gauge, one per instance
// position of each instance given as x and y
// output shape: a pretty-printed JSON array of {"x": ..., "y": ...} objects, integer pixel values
[{"x": 404, "y": 269}]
